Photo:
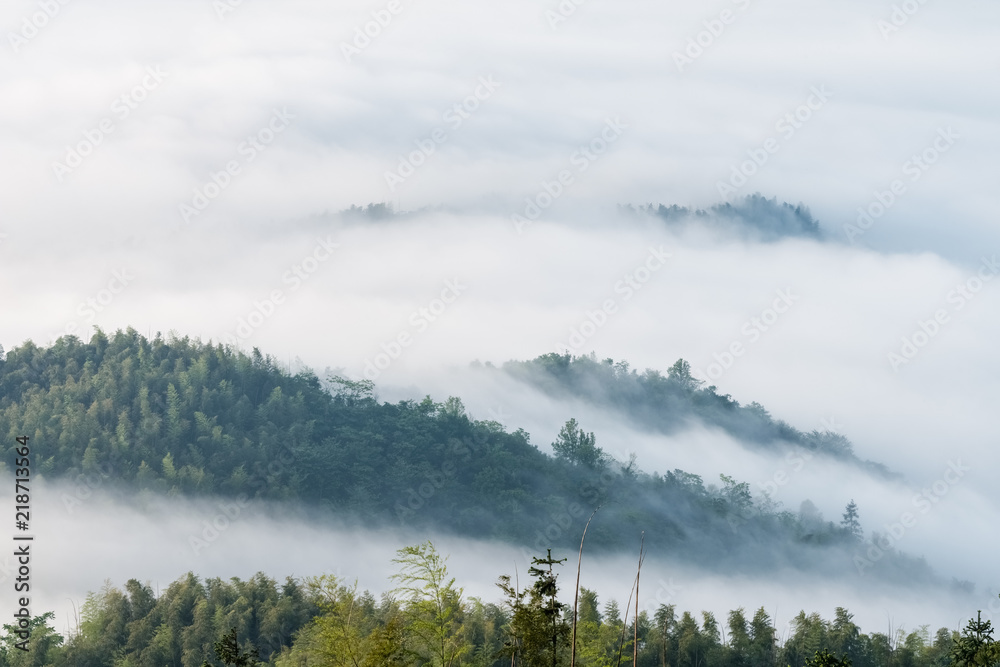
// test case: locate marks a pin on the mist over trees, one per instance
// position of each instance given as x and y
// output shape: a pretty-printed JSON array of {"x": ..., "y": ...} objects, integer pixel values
[
  {"x": 669, "y": 403},
  {"x": 176, "y": 416},
  {"x": 754, "y": 217},
  {"x": 427, "y": 621}
]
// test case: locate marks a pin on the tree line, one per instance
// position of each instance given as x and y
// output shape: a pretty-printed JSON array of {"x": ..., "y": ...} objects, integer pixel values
[
  {"x": 669, "y": 402},
  {"x": 425, "y": 620}
]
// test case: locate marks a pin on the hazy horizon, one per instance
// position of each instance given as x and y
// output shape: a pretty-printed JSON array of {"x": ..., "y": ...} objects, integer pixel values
[{"x": 184, "y": 168}]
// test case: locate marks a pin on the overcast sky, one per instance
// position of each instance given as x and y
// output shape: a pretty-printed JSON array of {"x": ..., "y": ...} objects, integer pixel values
[{"x": 178, "y": 166}]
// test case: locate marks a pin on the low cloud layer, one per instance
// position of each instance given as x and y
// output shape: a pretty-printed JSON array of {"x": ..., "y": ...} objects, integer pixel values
[
  {"x": 159, "y": 540},
  {"x": 888, "y": 85},
  {"x": 410, "y": 302},
  {"x": 180, "y": 168}
]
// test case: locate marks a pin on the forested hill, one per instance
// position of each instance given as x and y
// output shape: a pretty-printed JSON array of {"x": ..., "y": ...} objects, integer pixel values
[
  {"x": 174, "y": 415},
  {"x": 675, "y": 401}
]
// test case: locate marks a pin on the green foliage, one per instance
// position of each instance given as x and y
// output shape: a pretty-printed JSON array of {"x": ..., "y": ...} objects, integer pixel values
[
  {"x": 324, "y": 621},
  {"x": 41, "y": 650},
  {"x": 680, "y": 373},
  {"x": 754, "y": 216},
  {"x": 850, "y": 521},
  {"x": 435, "y": 605},
  {"x": 670, "y": 403},
  {"x": 737, "y": 494},
  {"x": 976, "y": 647},
  {"x": 537, "y": 631},
  {"x": 178, "y": 416},
  {"x": 826, "y": 659},
  {"x": 579, "y": 447},
  {"x": 349, "y": 631},
  {"x": 352, "y": 390},
  {"x": 182, "y": 626},
  {"x": 229, "y": 653},
  {"x": 544, "y": 590}
]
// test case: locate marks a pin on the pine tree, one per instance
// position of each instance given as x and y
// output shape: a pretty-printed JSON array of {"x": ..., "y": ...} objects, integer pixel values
[
  {"x": 537, "y": 634},
  {"x": 976, "y": 648},
  {"x": 545, "y": 589},
  {"x": 850, "y": 521}
]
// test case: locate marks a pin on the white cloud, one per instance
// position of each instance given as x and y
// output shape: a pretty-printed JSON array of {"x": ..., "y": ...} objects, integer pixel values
[{"x": 828, "y": 355}]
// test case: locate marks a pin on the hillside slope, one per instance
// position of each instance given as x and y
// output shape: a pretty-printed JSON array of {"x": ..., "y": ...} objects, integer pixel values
[{"x": 177, "y": 416}]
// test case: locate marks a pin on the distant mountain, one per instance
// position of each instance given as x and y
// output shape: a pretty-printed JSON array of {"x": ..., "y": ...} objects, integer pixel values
[
  {"x": 178, "y": 416},
  {"x": 754, "y": 216}
]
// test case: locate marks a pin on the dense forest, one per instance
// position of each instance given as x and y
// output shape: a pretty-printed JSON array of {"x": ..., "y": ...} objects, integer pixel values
[
  {"x": 177, "y": 416},
  {"x": 669, "y": 403},
  {"x": 425, "y": 620}
]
